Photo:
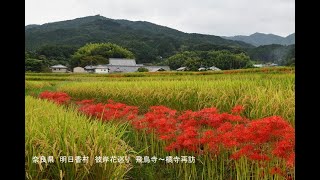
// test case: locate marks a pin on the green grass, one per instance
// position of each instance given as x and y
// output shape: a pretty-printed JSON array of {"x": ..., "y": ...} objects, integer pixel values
[{"x": 53, "y": 130}]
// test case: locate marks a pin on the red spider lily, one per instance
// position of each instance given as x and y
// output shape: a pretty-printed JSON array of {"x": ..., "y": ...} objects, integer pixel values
[
  {"x": 160, "y": 120},
  {"x": 228, "y": 141},
  {"x": 291, "y": 160},
  {"x": 215, "y": 121},
  {"x": 86, "y": 101},
  {"x": 57, "y": 97},
  {"x": 283, "y": 149},
  {"x": 237, "y": 109},
  {"x": 203, "y": 131},
  {"x": 244, "y": 151},
  {"x": 276, "y": 170},
  {"x": 225, "y": 127},
  {"x": 229, "y": 131},
  {"x": 108, "y": 111}
]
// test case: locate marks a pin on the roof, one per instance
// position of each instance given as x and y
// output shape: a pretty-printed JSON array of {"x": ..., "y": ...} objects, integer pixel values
[
  {"x": 122, "y": 61},
  {"x": 108, "y": 66},
  {"x": 214, "y": 68},
  {"x": 156, "y": 69},
  {"x": 89, "y": 67},
  {"x": 181, "y": 68},
  {"x": 138, "y": 65},
  {"x": 100, "y": 67},
  {"x": 202, "y": 68},
  {"x": 59, "y": 66},
  {"x": 258, "y": 65}
]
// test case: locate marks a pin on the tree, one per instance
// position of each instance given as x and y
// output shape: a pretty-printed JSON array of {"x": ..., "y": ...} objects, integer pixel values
[
  {"x": 192, "y": 64},
  {"x": 34, "y": 65},
  {"x": 291, "y": 62},
  {"x": 144, "y": 53},
  {"x": 30, "y": 55},
  {"x": 143, "y": 69},
  {"x": 272, "y": 53},
  {"x": 98, "y": 53},
  {"x": 181, "y": 59},
  {"x": 290, "y": 58},
  {"x": 57, "y": 52},
  {"x": 222, "y": 59}
]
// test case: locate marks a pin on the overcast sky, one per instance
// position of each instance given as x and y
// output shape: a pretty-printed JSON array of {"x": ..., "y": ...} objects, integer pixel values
[{"x": 215, "y": 17}]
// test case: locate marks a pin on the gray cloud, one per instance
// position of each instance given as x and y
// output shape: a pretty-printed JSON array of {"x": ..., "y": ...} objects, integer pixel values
[{"x": 217, "y": 17}]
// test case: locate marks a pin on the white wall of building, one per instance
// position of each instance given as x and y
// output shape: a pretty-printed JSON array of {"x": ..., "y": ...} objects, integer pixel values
[
  {"x": 101, "y": 71},
  {"x": 59, "y": 70},
  {"x": 79, "y": 70}
]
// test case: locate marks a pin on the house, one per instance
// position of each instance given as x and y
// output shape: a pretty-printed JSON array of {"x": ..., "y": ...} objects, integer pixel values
[
  {"x": 182, "y": 69},
  {"x": 202, "y": 69},
  {"x": 118, "y": 65},
  {"x": 265, "y": 65},
  {"x": 79, "y": 70},
  {"x": 89, "y": 69},
  {"x": 272, "y": 64},
  {"x": 122, "y": 62},
  {"x": 101, "y": 69},
  {"x": 258, "y": 65},
  {"x": 157, "y": 68},
  {"x": 213, "y": 68},
  {"x": 59, "y": 68}
]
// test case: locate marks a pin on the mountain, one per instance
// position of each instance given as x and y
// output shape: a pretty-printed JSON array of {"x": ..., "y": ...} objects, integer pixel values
[
  {"x": 31, "y": 26},
  {"x": 289, "y": 39},
  {"x": 275, "y": 53},
  {"x": 146, "y": 40},
  {"x": 258, "y": 39}
]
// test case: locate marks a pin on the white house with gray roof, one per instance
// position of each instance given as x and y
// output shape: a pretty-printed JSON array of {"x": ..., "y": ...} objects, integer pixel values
[
  {"x": 59, "y": 68},
  {"x": 213, "y": 68},
  {"x": 182, "y": 69},
  {"x": 100, "y": 69},
  {"x": 157, "y": 68},
  {"x": 118, "y": 65}
]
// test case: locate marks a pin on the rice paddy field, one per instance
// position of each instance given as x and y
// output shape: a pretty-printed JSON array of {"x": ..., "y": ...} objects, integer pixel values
[{"x": 236, "y": 124}]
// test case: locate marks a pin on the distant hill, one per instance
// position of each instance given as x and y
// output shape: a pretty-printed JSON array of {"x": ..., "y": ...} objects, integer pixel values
[
  {"x": 31, "y": 26},
  {"x": 275, "y": 53},
  {"x": 146, "y": 40},
  {"x": 258, "y": 39}
]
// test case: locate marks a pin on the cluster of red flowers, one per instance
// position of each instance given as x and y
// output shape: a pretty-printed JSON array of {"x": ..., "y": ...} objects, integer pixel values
[
  {"x": 208, "y": 130},
  {"x": 203, "y": 131},
  {"x": 58, "y": 97},
  {"x": 108, "y": 111}
]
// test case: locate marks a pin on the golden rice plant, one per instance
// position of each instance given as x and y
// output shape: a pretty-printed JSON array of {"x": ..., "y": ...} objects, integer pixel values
[
  {"x": 262, "y": 94},
  {"x": 52, "y": 130}
]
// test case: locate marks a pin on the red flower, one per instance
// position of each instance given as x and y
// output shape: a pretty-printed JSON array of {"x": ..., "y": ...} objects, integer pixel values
[
  {"x": 259, "y": 157},
  {"x": 276, "y": 170},
  {"x": 237, "y": 109},
  {"x": 291, "y": 160},
  {"x": 86, "y": 101},
  {"x": 57, "y": 97},
  {"x": 201, "y": 131}
]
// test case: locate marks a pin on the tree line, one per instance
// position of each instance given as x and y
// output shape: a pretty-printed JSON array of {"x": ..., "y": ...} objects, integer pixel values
[{"x": 98, "y": 53}]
